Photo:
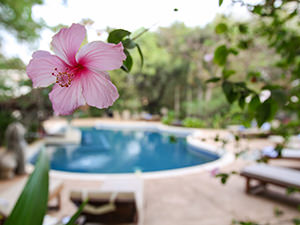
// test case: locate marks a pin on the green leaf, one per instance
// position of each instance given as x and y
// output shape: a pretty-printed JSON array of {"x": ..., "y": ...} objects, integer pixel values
[
  {"x": 220, "y": 55},
  {"x": 221, "y": 28},
  {"x": 296, "y": 221},
  {"x": 227, "y": 73},
  {"x": 123, "y": 67},
  {"x": 224, "y": 177},
  {"x": 271, "y": 87},
  {"x": 257, "y": 9},
  {"x": 116, "y": 36},
  {"x": 267, "y": 111},
  {"x": 213, "y": 80},
  {"x": 77, "y": 213},
  {"x": 252, "y": 74},
  {"x": 278, "y": 212},
  {"x": 128, "y": 61},
  {"x": 254, "y": 103},
  {"x": 291, "y": 190},
  {"x": 228, "y": 89},
  {"x": 31, "y": 206},
  {"x": 128, "y": 43},
  {"x": 173, "y": 139},
  {"x": 141, "y": 54},
  {"x": 242, "y": 102},
  {"x": 243, "y": 44},
  {"x": 233, "y": 51},
  {"x": 279, "y": 96},
  {"x": 247, "y": 223},
  {"x": 243, "y": 28},
  {"x": 220, "y": 2}
]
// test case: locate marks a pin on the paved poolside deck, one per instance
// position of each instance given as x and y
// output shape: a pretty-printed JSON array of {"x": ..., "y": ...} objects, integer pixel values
[{"x": 199, "y": 198}]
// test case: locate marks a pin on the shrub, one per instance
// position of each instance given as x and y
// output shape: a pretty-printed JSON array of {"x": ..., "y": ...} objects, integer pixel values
[
  {"x": 169, "y": 119},
  {"x": 193, "y": 122}
]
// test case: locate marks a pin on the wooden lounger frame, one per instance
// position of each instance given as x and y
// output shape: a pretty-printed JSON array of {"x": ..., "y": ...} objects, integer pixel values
[
  {"x": 125, "y": 210},
  {"x": 263, "y": 181}
]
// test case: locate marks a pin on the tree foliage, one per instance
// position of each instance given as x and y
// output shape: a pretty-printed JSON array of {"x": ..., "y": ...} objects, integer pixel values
[
  {"x": 16, "y": 17},
  {"x": 277, "y": 28}
]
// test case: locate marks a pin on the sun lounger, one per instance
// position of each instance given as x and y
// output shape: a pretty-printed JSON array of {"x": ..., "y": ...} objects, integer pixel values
[
  {"x": 286, "y": 153},
  {"x": 107, "y": 207},
  {"x": 11, "y": 190},
  {"x": 266, "y": 174},
  {"x": 117, "y": 201},
  {"x": 70, "y": 135},
  {"x": 252, "y": 132}
]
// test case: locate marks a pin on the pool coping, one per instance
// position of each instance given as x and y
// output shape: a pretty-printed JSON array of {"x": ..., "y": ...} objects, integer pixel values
[{"x": 191, "y": 134}]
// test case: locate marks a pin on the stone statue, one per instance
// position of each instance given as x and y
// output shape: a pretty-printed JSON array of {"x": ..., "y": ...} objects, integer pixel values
[{"x": 12, "y": 160}]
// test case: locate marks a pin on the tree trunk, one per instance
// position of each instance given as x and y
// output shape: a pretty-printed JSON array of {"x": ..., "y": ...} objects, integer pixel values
[{"x": 177, "y": 101}]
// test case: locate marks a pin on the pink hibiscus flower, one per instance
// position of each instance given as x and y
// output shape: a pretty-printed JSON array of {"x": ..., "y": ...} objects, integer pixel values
[{"x": 79, "y": 73}]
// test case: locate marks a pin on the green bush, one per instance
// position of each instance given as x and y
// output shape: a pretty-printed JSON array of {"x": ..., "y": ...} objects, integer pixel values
[
  {"x": 193, "y": 122},
  {"x": 169, "y": 119},
  {"x": 94, "y": 112}
]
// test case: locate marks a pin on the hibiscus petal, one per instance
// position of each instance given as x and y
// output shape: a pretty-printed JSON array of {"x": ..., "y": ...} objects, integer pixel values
[
  {"x": 67, "y": 42},
  {"x": 104, "y": 74},
  {"x": 97, "y": 90},
  {"x": 40, "y": 53},
  {"x": 66, "y": 99},
  {"x": 41, "y": 67},
  {"x": 100, "y": 56}
]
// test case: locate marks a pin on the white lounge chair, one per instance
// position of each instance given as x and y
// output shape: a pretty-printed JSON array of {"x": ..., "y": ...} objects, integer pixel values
[
  {"x": 267, "y": 174},
  {"x": 286, "y": 153}
]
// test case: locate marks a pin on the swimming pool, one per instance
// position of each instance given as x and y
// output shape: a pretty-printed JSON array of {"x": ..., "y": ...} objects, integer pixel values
[{"x": 109, "y": 151}]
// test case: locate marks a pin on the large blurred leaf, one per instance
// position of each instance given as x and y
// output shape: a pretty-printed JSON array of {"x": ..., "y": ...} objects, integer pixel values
[
  {"x": 117, "y": 35},
  {"x": 31, "y": 206},
  {"x": 220, "y": 2}
]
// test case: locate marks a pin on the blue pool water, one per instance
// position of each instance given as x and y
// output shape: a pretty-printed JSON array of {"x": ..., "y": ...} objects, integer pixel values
[{"x": 123, "y": 151}]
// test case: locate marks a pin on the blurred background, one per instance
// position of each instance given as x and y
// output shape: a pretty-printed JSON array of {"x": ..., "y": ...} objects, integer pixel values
[{"x": 178, "y": 42}]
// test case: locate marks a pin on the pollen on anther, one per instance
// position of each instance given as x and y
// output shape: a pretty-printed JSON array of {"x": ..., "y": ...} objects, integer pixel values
[{"x": 63, "y": 78}]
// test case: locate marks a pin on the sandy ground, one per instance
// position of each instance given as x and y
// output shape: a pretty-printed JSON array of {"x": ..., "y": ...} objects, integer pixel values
[{"x": 200, "y": 198}]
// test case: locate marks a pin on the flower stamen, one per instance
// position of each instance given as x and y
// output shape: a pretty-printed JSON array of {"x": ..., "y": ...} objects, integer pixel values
[{"x": 64, "y": 78}]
